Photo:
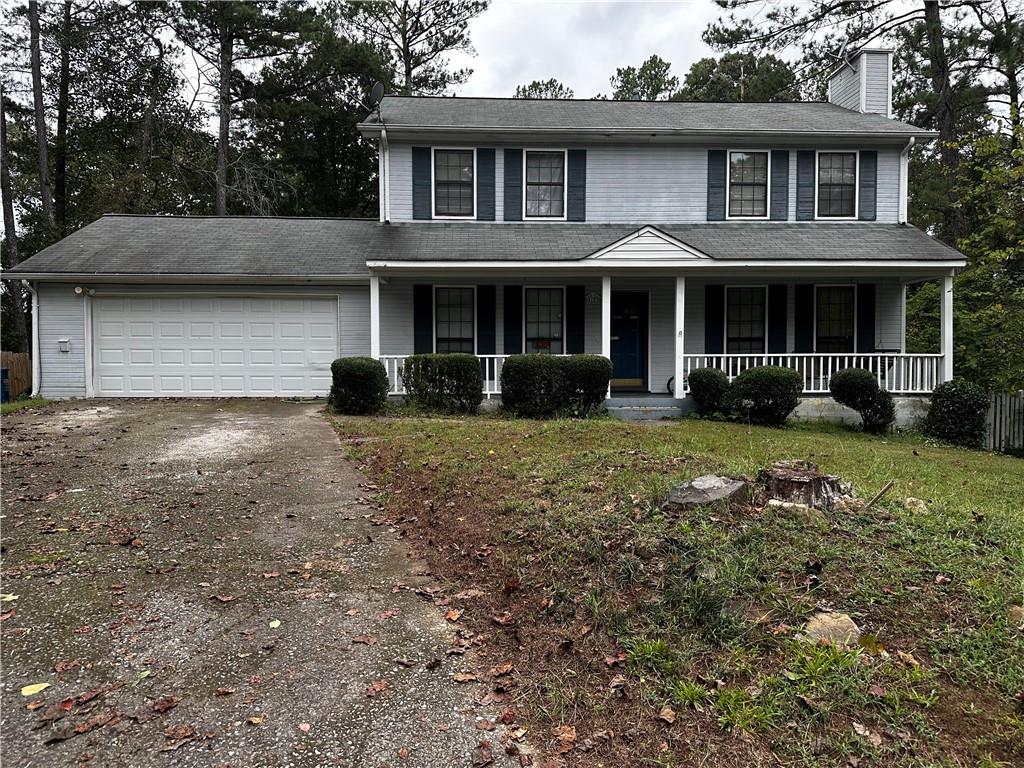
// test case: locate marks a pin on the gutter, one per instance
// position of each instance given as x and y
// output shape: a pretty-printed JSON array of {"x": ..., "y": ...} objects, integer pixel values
[
  {"x": 220, "y": 278},
  {"x": 36, "y": 367}
]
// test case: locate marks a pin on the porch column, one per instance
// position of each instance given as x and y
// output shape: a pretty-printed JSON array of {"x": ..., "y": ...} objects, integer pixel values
[
  {"x": 680, "y": 336},
  {"x": 946, "y": 315},
  {"x": 606, "y": 321},
  {"x": 375, "y": 317}
]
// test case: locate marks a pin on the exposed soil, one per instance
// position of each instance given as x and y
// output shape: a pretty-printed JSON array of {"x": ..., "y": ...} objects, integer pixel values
[{"x": 205, "y": 583}]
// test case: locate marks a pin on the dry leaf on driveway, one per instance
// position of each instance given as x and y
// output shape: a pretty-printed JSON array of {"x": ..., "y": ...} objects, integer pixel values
[
  {"x": 376, "y": 687},
  {"x": 364, "y": 640}
]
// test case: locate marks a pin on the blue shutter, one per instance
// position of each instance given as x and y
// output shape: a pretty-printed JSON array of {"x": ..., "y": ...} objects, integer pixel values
[
  {"x": 866, "y": 317},
  {"x": 485, "y": 320},
  {"x": 421, "y": 192},
  {"x": 714, "y": 319},
  {"x": 513, "y": 328},
  {"x": 803, "y": 318},
  {"x": 422, "y": 319},
  {"x": 513, "y": 185},
  {"x": 777, "y": 299},
  {"x": 575, "y": 319},
  {"x": 485, "y": 184},
  {"x": 716, "y": 184},
  {"x": 576, "y": 176},
  {"x": 867, "y": 192},
  {"x": 804, "y": 185},
  {"x": 779, "y": 210}
]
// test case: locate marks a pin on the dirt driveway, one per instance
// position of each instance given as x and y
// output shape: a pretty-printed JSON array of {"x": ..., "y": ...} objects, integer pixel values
[{"x": 199, "y": 584}]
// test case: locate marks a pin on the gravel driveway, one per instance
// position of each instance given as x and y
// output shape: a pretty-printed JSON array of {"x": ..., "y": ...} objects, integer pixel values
[{"x": 200, "y": 583}]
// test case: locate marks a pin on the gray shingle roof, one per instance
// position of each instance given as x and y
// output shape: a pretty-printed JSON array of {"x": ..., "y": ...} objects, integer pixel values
[
  {"x": 319, "y": 248},
  {"x": 855, "y": 241},
  {"x": 660, "y": 116},
  {"x": 210, "y": 245}
]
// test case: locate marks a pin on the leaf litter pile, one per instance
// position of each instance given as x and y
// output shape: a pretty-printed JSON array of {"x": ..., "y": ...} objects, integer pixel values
[{"x": 633, "y": 636}]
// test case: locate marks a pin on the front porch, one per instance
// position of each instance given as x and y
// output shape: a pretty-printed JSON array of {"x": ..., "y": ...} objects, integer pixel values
[{"x": 658, "y": 328}]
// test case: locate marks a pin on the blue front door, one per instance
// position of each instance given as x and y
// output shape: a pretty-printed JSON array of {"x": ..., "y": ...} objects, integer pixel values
[{"x": 629, "y": 340}]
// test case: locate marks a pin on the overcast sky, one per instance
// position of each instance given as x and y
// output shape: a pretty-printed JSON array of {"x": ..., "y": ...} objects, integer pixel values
[{"x": 580, "y": 42}]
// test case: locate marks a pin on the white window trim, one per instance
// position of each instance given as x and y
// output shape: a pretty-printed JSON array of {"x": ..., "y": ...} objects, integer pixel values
[
  {"x": 565, "y": 185},
  {"x": 815, "y": 304},
  {"x": 545, "y": 287},
  {"x": 728, "y": 186},
  {"x": 433, "y": 185},
  {"x": 433, "y": 310},
  {"x": 725, "y": 319},
  {"x": 856, "y": 184}
]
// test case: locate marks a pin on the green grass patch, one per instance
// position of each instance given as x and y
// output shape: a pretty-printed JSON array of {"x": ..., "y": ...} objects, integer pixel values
[
  {"x": 17, "y": 405},
  {"x": 707, "y": 606}
]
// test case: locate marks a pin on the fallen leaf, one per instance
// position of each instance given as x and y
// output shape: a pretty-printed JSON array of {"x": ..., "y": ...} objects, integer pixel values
[
  {"x": 501, "y": 669},
  {"x": 7, "y": 598},
  {"x": 376, "y": 687},
  {"x": 224, "y": 598},
  {"x": 223, "y": 691},
  {"x": 385, "y": 615},
  {"x": 255, "y": 719},
  {"x": 453, "y": 614},
  {"x": 615, "y": 660},
  {"x": 482, "y": 754},
  {"x": 365, "y": 640},
  {"x": 464, "y": 677},
  {"x": 864, "y": 732},
  {"x": 566, "y": 736},
  {"x": 403, "y": 753},
  {"x": 271, "y": 575},
  {"x": 503, "y": 619},
  {"x": 304, "y": 727},
  {"x": 7, "y": 614},
  {"x": 275, "y": 623},
  {"x": 179, "y": 731},
  {"x": 352, "y": 612},
  {"x": 907, "y": 659},
  {"x": 66, "y": 666},
  {"x": 32, "y": 690},
  {"x": 667, "y": 714},
  {"x": 166, "y": 703},
  {"x": 941, "y": 578}
]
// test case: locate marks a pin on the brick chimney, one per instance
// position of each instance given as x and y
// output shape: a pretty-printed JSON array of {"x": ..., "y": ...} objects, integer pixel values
[{"x": 863, "y": 82}]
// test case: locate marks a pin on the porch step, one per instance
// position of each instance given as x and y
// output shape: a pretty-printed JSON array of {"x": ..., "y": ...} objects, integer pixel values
[{"x": 645, "y": 407}]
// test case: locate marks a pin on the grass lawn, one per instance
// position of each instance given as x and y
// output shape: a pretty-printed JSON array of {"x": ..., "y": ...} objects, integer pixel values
[
  {"x": 17, "y": 405},
  {"x": 612, "y": 611}
]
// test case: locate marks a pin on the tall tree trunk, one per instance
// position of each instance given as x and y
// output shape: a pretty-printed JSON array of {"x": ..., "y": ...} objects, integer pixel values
[
  {"x": 945, "y": 114},
  {"x": 10, "y": 235},
  {"x": 406, "y": 48},
  {"x": 45, "y": 190},
  {"x": 144, "y": 186},
  {"x": 224, "y": 106},
  {"x": 60, "y": 147}
]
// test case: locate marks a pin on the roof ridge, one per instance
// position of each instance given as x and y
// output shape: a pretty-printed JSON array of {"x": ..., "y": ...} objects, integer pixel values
[
  {"x": 233, "y": 217},
  {"x": 598, "y": 101}
]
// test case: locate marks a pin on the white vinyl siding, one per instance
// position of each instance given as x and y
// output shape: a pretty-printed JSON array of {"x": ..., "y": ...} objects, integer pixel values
[
  {"x": 400, "y": 181},
  {"x": 876, "y": 82},
  {"x": 61, "y": 316}
]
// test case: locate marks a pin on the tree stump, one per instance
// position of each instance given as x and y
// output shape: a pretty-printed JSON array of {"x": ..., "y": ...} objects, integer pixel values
[{"x": 802, "y": 482}]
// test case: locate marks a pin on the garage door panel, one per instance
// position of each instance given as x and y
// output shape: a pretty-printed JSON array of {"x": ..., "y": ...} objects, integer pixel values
[{"x": 214, "y": 346}]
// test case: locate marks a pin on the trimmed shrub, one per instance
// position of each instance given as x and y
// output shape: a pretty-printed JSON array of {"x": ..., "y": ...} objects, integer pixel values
[
  {"x": 957, "y": 414},
  {"x": 586, "y": 382},
  {"x": 533, "y": 386},
  {"x": 878, "y": 416},
  {"x": 767, "y": 394},
  {"x": 359, "y": 385},
  {"x": 450, "y": 383},
  {"x": 858, "y": 388},
  {"x": 709, "y": 387},
  {"x": 854, "y": 387}
]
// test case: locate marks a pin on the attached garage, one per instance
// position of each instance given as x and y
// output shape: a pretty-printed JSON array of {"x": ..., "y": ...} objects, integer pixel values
[{"x": 213, "y": 346}]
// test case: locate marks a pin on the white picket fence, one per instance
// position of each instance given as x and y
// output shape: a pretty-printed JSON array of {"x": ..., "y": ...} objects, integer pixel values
[{"x": 1005, "y": 422}]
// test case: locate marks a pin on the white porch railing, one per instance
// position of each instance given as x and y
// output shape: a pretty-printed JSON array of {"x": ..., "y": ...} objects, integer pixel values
[
  {"x": 900, "y": 374},
  {"x": 490, "y": 367}
]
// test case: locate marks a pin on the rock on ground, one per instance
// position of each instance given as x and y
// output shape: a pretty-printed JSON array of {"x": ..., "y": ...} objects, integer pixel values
[
  {"x": 705, "y": 490},
  {"x": 831, "y": 627}
]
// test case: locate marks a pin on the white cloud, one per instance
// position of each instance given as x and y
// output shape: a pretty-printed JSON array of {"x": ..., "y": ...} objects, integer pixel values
[{"x": 580, "y": 42}]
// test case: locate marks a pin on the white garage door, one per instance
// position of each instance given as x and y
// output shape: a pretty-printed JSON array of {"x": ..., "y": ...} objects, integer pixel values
[{"x": 214, "y": 346}]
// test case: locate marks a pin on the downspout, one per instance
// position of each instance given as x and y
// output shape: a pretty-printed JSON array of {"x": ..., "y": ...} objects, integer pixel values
[
  {"x": 385, "y": 175},
  {"x": 36, "y": 368},
  {"x": 903, "y": 216}
]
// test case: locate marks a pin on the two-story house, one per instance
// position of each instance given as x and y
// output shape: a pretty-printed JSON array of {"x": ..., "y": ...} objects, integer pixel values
[{"x": 667, "y": 236}]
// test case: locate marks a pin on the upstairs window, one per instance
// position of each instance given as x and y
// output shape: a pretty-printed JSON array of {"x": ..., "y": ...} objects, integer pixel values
[
  {"x": 545, "y": 184},
  {"x": 837, "y": 185},
  {"x": 544, "y": 320},
  {"x": 835, "y": 316},
  {"x": 748, "y": 185},
  {"x": 453, "y": 312},
  {"x": 745, "y": 319},
  {"x": 454, "y": 170}
]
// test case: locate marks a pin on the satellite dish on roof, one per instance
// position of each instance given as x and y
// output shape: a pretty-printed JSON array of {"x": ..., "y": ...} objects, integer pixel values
[{"x": 376, "y": 94}]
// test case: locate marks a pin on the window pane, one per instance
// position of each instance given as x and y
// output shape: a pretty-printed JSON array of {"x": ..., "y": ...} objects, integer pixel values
[
  {"x": 835, "y": 318},
  {"x": 837, "y": 184},
  {"x": 748, "y": 184},
  {"x": 453, "y": 318},
  {"x": 745, "y": 320},
  {"x": 453, "y": 182},
  {"x": 544, "y": 320},
  {"x": 545, "y": 184}
]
